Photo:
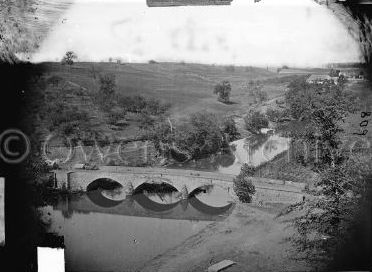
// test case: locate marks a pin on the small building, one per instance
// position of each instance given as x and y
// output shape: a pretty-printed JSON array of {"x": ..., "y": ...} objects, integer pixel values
[{"x": 320, "y": 79}]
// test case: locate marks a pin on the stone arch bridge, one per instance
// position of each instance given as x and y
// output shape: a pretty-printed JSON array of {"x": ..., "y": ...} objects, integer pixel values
[{"x": 185, "y": 181}]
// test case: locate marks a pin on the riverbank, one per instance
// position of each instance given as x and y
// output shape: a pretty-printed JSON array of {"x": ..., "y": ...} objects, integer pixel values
[{"x": 252, "y": 237}]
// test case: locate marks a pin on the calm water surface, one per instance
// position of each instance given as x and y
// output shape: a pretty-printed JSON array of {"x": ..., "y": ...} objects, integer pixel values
[
  {"x": 105, "y": 231},
  {"x": 254, "y": 151}
]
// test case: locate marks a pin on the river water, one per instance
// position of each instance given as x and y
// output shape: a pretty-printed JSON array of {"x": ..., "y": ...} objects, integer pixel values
[
  {"x": 105, "y": 231},
  {"x": 254, "y": 151}
]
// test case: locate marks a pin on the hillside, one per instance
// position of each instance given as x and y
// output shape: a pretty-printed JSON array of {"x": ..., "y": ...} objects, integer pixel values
[{"x": 187, "y": 87}]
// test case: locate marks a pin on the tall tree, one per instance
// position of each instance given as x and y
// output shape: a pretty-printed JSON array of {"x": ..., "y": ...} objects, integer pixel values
[{"x": 69, "y": 58}]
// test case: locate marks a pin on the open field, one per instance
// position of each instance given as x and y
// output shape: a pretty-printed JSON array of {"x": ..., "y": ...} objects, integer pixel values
[{"x": 188, "y": 87}]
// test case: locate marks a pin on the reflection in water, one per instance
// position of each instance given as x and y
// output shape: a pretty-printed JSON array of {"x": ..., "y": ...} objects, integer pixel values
[
  {"x": 106, "y": 231},
  {"x": 254, "y": 150}
]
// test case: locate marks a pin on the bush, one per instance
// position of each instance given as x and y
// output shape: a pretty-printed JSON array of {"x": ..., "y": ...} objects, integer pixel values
[
  {"x": 223, "y": 91},
  {"x": 247, "y": 170},
  {"x": 277, "y": 115},
  {"x": 140, "y": 104},
  {"x": 243, "y": 186},
  {"x": 255, "y": 121},
  {"x": 106, "y": 91},
  {"x": 229, "y": 128},
  {"x": 262, "y": 96},
  {"x": 255, "y": 89}
]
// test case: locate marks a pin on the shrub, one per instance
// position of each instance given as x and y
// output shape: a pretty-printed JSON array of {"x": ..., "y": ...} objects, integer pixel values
[
  {"x": 262, "y": 96},
  {"x": 229, "y": 128},
  {"x": 277, "y": 115},
  {"x": 255, "y": 89},
  {"x": 247, "y": 170},
  {"x": 223, "y": 91},
  {"x": 140, "y": 104},
  {"x": 243, "y": 186},
  {"x": 255, "y": 121}
]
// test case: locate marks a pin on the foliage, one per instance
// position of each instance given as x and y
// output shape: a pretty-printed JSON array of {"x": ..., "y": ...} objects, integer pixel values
[
  {"x": 255, "y": 90},
  {"x": 325, "y": 222},
  {"x": 203, "y": 134},
  {"x": 247, "y": 170},
  {"x": 140, "y": 104},
  {"x": 275, "y": 115},
  {"x": 321, "y": 108},
  {"x": 243, "y": 186},
  {"x": 196, "y": 137},
  {"x": 223, "y": 91},
  {"x": 69, "y": 121},
  {"x": 69, "y": 58},
  {"x": 107, "y": 89},
  {"x": 254, "y": 121},
  {"x": 229, "y": 129}
]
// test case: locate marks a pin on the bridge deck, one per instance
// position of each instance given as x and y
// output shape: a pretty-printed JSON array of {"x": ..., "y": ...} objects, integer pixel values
[{"x": 259, "y": 182}]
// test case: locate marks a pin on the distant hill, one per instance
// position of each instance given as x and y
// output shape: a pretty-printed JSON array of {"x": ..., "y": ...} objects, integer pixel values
[{"x": 188, "y": 87}]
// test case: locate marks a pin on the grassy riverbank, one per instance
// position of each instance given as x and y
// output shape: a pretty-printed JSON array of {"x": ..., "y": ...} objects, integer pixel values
[{"x": 252, "y": 237}]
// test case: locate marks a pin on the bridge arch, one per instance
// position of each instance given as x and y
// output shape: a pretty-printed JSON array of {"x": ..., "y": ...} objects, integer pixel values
[
  {"x": 155, "y": 187},
  {"x": 205, "y": 187},
  {"x": 157, "y": 181},
  {"x": 103, "y": 183}
]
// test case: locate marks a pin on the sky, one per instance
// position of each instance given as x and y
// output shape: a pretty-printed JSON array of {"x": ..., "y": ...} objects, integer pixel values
[{"x": 271, "y": 32}]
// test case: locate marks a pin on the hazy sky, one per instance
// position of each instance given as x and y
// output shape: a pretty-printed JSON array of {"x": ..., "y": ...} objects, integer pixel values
[{"x": 271, "y": 32}]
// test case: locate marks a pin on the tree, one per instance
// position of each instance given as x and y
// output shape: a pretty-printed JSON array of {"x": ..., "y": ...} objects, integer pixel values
[
  {"x": 196, "y": 137},
  {"x": 107, "y": 90},
  {"x": 243, "y": 186},
  {"x": 229, "y": 128},
  {"x": 69, "y": 58},
  {"x": 321, "y": 108},
  {"x": 223, "y": 91},
  {"x": 255, "y": 121}
]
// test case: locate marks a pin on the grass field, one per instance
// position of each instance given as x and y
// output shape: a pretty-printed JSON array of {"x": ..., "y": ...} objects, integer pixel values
[{"x": 187, "y": 87}]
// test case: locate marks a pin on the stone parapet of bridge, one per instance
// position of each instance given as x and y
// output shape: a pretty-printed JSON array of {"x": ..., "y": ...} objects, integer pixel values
[{"x": 185, "y": 181}]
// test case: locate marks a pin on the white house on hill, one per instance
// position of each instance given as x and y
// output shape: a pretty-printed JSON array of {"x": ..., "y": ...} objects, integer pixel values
[{"x": 320, "y": 79}]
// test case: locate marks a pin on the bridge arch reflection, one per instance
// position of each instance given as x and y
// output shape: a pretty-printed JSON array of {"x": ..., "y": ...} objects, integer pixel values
[{"x": 142, "y": 206}]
